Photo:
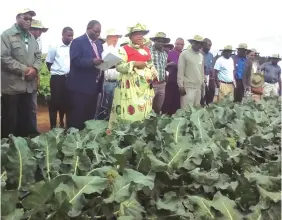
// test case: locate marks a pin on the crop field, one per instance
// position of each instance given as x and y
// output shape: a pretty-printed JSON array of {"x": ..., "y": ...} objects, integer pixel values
[{"x": 220, "y": 162}]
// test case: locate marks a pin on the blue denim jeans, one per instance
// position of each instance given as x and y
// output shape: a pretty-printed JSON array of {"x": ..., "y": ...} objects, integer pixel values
[{"x": 107, "y": 100}]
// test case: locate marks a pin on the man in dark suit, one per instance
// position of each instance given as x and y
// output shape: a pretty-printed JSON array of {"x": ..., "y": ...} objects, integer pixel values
[{"x": 84, "y": 80}]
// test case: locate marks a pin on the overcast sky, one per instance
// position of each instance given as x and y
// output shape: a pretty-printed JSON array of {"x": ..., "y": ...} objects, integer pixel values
[{"x": 257, "y": 23}]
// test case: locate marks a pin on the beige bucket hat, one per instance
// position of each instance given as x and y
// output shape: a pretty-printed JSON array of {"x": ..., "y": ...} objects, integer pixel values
[
  {"x": 137, "y": 28},
  {"x": 227, "y": 48},
  {"x": 113, "y": 32},
  {"x": 257, "y": 80},
  {"x": 275, "y": 56},
  {"x": 38, "y": 25},
  {"x": 197, "y": 38},
  {"x": 242, "y": 46}
]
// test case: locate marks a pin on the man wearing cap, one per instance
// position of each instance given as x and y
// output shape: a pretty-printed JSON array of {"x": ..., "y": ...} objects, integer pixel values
[
  {"x": 190, "y": 75},
  {"x": 111, "y": 75},
  {"x": 240, "y": 62},
  {"x": 272, "y": 76},
  {"x": 21, "y": 62},
  {"x": 159, "y": 57},
  {"x": 224, "y": 73},
  {"x": 36, "y": 30}
]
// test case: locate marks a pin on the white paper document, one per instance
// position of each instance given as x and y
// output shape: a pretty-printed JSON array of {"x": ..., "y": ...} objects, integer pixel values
[{"x": 110, "y": 60}]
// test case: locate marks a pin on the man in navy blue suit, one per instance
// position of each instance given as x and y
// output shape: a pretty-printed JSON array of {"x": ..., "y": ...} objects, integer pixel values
[{"x": 85, "y": 79}]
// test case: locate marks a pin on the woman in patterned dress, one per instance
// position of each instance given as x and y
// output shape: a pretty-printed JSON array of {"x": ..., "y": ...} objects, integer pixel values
[{"x": 134, "y": 94}]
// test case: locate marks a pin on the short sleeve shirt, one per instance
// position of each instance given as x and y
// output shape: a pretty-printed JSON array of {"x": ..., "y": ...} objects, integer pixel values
[{"x": 225, "y": 68}]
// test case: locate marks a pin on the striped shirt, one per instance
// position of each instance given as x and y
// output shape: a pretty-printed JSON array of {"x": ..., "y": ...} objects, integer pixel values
[{"x": 160, "y": 61}]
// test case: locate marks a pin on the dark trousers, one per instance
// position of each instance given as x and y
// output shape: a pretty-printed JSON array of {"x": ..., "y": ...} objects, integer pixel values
[
  {"x": 33, "y": 116},
  {"x": 209, "y": 93},
  {"x": 82, "y": 107},
  {"x": 15, "y": 115},
  {"x": 58, "y": 101},
  {"x": 239, "y": 91}
]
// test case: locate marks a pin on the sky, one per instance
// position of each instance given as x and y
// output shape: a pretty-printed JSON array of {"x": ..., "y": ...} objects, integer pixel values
[{"x": 225, "y": 22}]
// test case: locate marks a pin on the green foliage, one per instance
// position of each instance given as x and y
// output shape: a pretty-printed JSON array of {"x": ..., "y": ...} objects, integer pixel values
[
  {"x": 44, "y": 88},
  {"x": 221, "y": 162}
]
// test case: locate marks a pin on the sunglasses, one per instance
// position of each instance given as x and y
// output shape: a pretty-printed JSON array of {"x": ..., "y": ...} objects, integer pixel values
[{"x": 27, "y": 19}]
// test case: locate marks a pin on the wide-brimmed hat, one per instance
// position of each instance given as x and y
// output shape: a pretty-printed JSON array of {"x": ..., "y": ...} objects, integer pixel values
[
  {"x": 257, "y": 80},
  {"x": 137, "y": 28},
  {"x": 25, "y": 11},
  {"x": 242, "y": 46},
  {"x": 38, "y": 25},
  {"x": 197, "y": 38},
  {"x": 160, "y": 35},
  {"x": 169, "y": 46},
  {"x": 113, "y": 32},
  {"x": 275, "y": 56},
  {"x": 227, "y": 48}
]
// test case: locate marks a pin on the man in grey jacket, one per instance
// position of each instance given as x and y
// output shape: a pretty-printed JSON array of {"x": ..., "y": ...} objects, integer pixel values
[{"x": 20, "y": 65}]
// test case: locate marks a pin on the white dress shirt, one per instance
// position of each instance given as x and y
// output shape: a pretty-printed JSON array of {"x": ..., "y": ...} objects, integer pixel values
[
  {"x": 59, "y": 56},
  {"x": 110, "y": 74}
]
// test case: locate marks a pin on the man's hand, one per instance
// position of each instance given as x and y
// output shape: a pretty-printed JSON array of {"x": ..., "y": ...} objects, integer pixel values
[
  {"x": 182, "y": 91},
  {"x": 140, "y": 65},
  {"x": 30, "y": 73},
  {"x": 97, "y": 61}
]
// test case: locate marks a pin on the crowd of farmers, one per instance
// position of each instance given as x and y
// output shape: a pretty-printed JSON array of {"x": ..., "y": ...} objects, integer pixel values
[{"x": 152, "y": 75}]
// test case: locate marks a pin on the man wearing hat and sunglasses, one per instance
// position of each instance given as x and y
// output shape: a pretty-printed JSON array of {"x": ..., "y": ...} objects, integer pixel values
[
  {"x": 21, "y": 63},
  {"x": 190, "y": 75},
  {"x": 159, "y": 57},
  {"x": 272, "y": 76}
]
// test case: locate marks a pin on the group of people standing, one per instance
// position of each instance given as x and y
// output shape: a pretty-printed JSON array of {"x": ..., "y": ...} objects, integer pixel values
[{"x": 153, "y": 74}]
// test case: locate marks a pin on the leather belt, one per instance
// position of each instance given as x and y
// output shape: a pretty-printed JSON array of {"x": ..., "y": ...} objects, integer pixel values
[{"x": 226, "y": 82}]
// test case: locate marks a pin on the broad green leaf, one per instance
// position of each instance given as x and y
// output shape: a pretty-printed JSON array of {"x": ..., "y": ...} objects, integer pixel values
[
  {"x": 78, "y": 186},
  {"x": 120, "y": 189},
  {"x": 96, "y": 126},
  {"x": 17, "y": 214},
  {"x": 131, "y": 208},
  {"x": 203, "y": 177},
  {"x": 21, "y": 164},
  {"x": 9, "y": 200},
  {"x": 273, "y": 196},
  {"x": 48, "y": 145}
]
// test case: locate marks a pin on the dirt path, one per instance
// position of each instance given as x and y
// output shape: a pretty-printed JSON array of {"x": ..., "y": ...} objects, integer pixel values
[{"x": 43, "y": 122}]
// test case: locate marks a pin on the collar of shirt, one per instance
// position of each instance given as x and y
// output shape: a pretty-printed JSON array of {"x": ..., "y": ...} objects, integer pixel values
[{"x": 23, "y": 33}]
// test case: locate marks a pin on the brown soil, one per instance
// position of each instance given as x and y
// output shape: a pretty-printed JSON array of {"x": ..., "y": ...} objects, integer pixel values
[{"x": 43, "y": 122}]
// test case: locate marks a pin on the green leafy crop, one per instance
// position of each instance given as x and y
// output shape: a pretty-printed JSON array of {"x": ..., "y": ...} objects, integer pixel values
[{"x": 221, "y": 162}]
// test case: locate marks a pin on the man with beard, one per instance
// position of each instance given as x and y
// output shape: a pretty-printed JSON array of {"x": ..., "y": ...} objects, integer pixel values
[
  {"x": 58, "y": 64},
  {"x": 20, "y": 65},
  {"x": 84, "y": 80},
  {"x": 190, "y": 75},
  {"x": 36, "y": 30},
  {"x": 209, "y": 78}
]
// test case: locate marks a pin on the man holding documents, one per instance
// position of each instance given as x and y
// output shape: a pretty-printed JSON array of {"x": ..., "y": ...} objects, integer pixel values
[
  {"x": 111, "y": 75},
  {"x": 84, "y": 78}
]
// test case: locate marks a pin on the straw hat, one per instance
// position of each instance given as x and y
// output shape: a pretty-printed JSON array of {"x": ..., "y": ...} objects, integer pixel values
[
  {"x": 197, "y": 38},
  {"x": 227, "y": 48},
  {"x": 275, "y": 56},
  {"x": 113, "y": 32},
  {"x": 242, "y": 46},
  {"x": 257, "y": 80},
  {"x": 38, "y": 25},
  {"x": 160, "y": 35},
  {"x": 25, "y": 11},
  {"x": 137, "y": 28}
]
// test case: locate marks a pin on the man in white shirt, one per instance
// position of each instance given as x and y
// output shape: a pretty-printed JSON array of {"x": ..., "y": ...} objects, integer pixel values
[
  {"x": 111, "y": 75},
  {"x": 58, "y": 63},
  {"x": 224, "y": 73},
  {"x": 36, "y": 30}
]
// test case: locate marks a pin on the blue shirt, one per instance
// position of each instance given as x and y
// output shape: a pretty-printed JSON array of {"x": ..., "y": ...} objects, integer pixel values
[
  {"x": 271, "y": 72},
  {"x": 208, "y": 62},
  {"x": 240, "y": 66}
]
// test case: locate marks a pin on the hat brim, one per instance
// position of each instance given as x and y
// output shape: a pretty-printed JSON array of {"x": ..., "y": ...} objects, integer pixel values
[
  {"x": 117, "y": 35},
  {"x": 241, "y": 48},
  {"x": 32, "y": 13},
  {"x": 192, "y": 40},
  {"x": 166, "y": 40},
  {"x": 142, "y": 31},
  {"x": 226, "y": 50}
]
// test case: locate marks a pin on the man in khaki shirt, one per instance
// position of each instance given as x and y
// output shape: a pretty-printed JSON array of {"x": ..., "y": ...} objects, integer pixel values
[
  {"x": 190, "y": 75},
  {"x": 20, "y": 65}
]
